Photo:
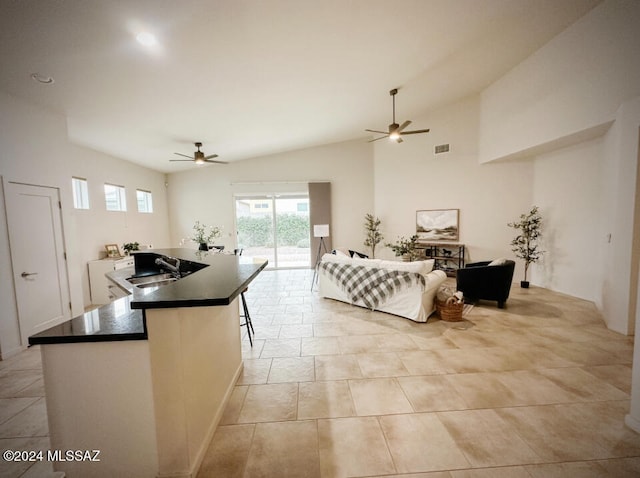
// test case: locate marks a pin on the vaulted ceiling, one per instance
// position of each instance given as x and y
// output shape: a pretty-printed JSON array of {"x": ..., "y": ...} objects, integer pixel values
[{"x": 254, "y": 77}]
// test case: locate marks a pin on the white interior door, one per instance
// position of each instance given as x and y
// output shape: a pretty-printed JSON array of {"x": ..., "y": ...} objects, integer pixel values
[{"x": 37, "y": 256}]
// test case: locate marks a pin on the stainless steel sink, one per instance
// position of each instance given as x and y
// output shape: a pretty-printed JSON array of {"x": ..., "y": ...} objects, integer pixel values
[
  {"x": 157, "y": 283},
  {"x": 152, "y": 281}
]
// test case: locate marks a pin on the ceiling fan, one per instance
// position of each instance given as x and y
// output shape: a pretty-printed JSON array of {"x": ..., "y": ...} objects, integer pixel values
[
  {"x": 396, "y": 131},
  {"x": 199, "y": 157}
]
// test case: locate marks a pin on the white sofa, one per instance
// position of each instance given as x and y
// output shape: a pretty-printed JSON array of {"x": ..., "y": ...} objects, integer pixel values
[{"x": 414, "y": 301}]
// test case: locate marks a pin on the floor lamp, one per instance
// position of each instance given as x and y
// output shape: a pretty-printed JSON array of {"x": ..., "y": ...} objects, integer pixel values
[{"x": 321, "y": 231}]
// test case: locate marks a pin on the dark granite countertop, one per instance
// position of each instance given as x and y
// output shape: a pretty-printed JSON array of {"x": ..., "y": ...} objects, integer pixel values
[{"x": 209, "y": 279}]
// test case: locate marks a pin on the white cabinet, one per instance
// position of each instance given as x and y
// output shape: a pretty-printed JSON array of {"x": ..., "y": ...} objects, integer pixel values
[{"x": 103, "y": 290}]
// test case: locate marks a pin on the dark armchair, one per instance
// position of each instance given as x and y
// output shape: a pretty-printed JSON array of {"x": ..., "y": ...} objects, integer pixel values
[{"x": 479, "y": 280}]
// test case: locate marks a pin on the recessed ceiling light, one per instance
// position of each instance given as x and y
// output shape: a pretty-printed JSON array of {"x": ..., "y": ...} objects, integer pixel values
[
  {"x": 146, "y": 39},
  {"x": 47, "y": 80}
]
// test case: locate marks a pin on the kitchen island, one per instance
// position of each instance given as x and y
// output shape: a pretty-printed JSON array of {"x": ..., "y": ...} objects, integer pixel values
[{"x": 145, "y": 379}]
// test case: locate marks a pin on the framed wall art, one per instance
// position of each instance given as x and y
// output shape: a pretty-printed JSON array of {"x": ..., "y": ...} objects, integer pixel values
[{"x": 437, "y": 224}]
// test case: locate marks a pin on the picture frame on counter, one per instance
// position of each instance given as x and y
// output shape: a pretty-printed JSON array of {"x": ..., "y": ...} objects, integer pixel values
[{"x": 112, "y": 250}]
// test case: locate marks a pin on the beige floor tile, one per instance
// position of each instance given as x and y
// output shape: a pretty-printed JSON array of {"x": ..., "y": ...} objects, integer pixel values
[
  {"x": 502, "y": 472},
  {"x": 281, "y": 348},
  {"x": 337, "y": 367},
  {"x": 234, "y": 405},
  {"x": 228, "y": 452},
  {"x": 292, "y": 369},
  {"x": 30, "y": 422},
  {"x": 254, "y": 371},
  {"x": 353, "y": 447},
  {"x": 295, "y": 331},
  {"x": 430, "y": 393},
  {"x": 582, "y": 385},
  {"x": 486, "y": 439},
  {"x": 320, "y": 346},
  {"x": 430, "y": 342},
  {"x": 330, "y": 399},
  {"x": 284, "y": 449},
  {"x": 433, "y": 474},
  {"x": 14, "y": 381},
  {"x": 411, "y": 438},
  {"x": 357, "y": 344},
  {"x": 395, "y": 342},
  {"x": 378, "y": 396},
  {"x": 581, "y": 469},
  {"x": 423, "y": 362},
  {"x": 568, "y": 442},
  {"x": 381, "y": 365},
  {"x": 249, "y": 351},
  {"x": 266, "y": 331},
  {"x": 582, "y": 353},
  {"x": 9, "y": 407},
  {"x": 482, "y": 390},
  {"x": 271, "y": 402},
  {"x": 621, "y": 467},
  {"x": 534, "y": 387},
  {"x": 617, "y": 375},
  {"x": 605, "y": 426},
  {"x": 16, "y": 469}
]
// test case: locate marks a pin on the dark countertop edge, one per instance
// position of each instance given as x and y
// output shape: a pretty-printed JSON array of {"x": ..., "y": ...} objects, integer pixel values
[
  {"x": 42, "y": 339},
  {"x": 168, "y": 304},
  {"x": 78, "y": 339}
]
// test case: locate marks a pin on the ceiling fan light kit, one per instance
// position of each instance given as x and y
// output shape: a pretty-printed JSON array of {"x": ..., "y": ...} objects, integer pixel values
[
  {"x": 396, "y": 131},
  {"x": 199, "y": 157}
]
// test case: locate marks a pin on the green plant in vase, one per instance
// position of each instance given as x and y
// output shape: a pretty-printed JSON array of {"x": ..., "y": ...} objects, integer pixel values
[
  {"x": 130, "y": 246},
  {"x": 405, "y": 248},
  {"x": 204, "y": 235}
]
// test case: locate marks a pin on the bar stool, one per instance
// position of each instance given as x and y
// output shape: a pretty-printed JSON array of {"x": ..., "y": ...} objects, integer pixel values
[{"x": 246, "y": 316}]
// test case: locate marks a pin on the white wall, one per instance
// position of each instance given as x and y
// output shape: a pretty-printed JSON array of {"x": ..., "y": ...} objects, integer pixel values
[
  {"x": 206, "y": 193},
  {"x": 569, "y": 191},
  {"x": 575, "y": 82},
  {"x": 34, "y": 149},
  {"x": 409, "y": 177}
]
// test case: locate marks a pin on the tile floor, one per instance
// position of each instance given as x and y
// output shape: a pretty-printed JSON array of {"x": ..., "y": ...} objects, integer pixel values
[{"x": 539, "y": 389}]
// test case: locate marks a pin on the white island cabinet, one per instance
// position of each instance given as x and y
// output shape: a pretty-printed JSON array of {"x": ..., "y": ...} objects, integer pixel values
[
  {"x": 102, "y": 290},
  {"x": 140, "y": 384}
]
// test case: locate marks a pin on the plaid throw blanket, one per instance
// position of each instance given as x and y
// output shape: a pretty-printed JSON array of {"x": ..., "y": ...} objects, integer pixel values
[{"x": 371, "y": 285}]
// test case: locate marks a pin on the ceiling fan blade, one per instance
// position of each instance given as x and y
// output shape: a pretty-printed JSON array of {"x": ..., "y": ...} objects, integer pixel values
[
  {"x": 403, "y": 126},
  {"x": 416, "y": 131},
  {"x": 180, "y": 160},
  {"x": 180, "y": 154},
  {"x": 211, "y": 156},
  {"x": 376, "y": 139},
  {"x": 213, "y": 161},
  {"x": 376, "y": 131}
]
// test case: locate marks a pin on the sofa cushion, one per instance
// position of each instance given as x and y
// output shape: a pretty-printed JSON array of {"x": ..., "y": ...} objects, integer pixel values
[
  {"x": 358, "y": 254},
  {"x": 420, "y": 267}
]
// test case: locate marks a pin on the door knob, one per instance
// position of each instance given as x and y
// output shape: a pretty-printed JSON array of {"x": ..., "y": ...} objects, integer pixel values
[{"x": 27, "y": 274}]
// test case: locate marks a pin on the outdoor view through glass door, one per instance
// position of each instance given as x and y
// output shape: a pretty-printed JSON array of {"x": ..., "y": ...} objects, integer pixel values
[{"x": 276, "y": 228}]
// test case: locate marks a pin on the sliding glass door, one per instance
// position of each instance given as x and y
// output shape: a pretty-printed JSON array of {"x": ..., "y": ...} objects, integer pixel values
[{"x": 274, "y": 227}]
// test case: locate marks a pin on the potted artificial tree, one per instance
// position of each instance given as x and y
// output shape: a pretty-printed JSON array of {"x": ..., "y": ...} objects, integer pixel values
[
  {"x": 525, "y": 244},
  {"x": 373, "y": 235},
  {"x": 405, "y": 248}
]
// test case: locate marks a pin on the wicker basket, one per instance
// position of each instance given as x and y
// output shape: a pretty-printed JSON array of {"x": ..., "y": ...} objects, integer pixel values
[{"x": 450, "y": 309}]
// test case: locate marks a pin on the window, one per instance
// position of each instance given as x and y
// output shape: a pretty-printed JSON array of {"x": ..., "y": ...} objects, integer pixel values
[
  {"x": 115, "y": 198},
  {"x": 80, "y": 193},
  {"x": 302, "y": 206},
  {"x": 145, "y": 202}
]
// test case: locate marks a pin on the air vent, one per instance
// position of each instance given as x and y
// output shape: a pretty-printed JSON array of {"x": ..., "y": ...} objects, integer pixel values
[{"x": 442, "y": 148}]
